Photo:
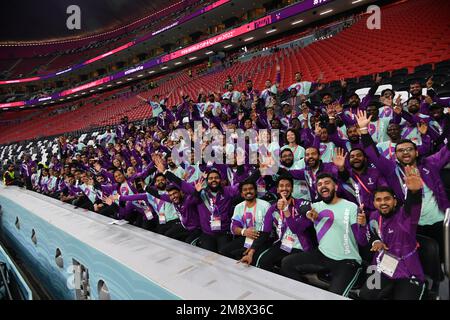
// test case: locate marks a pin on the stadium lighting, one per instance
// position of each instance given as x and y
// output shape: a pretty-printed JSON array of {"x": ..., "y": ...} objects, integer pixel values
[
  {"x": 297, "y": 22},
  {"x": 150, "y": 72},
  {"x": 128, "y": 79},
  {"x": 119, "y": 82},
  {"x": 83, "y": 93},
  {"x": 140, "y": 75},
  {"x": 100, "y": 88},
  {"x": 91, "y": 90},
  {"x": 192, "y": 58},
  {"x": 209, "y": 52},
  {"x": 271, "y": 31},
  {"x": 109, "y": 85},
  {"x": 250, "y": 38},
  {"x": 228, "y": 46},
  {"x": 177, "y": 63},
  {"x": 163, "y": 68},
  {"x": 325, "y": 12},
  {"x": 357, "y": 1}
]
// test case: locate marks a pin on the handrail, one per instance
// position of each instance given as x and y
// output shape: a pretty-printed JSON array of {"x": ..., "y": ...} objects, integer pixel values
[
  {"x": 4, "y": 280},
  {"x": 447, "y": 242}
]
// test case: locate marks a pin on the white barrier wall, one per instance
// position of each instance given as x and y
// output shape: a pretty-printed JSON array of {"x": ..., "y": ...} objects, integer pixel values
[{"x": 130, "y": 262}]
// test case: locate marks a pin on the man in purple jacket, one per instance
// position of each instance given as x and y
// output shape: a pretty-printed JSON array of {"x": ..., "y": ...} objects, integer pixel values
[
  {"x": 435, "y": 200},
  {"x": 396, "y": 258},
  {"x": 25, "y": 170},
  {"x": 288, "y": 215}
]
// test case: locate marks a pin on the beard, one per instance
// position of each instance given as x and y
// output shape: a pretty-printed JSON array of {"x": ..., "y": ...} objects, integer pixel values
[
  {"x": 389, "y": 214},
  {"x": 215, "y": 188},
  {"x": 161, "y": 186},
  {"x": 329, "y": 198},
  {"x": 287, "y": 164}
]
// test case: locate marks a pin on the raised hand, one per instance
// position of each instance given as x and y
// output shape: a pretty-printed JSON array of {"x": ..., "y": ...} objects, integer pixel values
[
  {"x": 108, "y": 200},
  {"x": 428, "y": 100},
  {"x": 378, "y": 79},
  {"x": 362, "y": 119},
  {"x": 398, "y": 105},
  {"x": 339, "y": 158},
  {"x": 317, "y": 129},
  {"x": 282, "y": 203},
  {"x": 199, "y": 184},
  {"x": 422, "y": 127},
  {"x": 343, "y": 83},
  {"x": 430, "y": 82},
  {"x": 413, "y": 180}
]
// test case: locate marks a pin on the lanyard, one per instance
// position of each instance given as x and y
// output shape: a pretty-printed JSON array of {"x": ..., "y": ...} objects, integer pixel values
[
  {"x": 380, "y": 221},
  {"x": 390, "y": 149},
  {"x": 362, "y": 184},
  {"x": 213, "y": 203},
  {"x": 159, "y": 204}
]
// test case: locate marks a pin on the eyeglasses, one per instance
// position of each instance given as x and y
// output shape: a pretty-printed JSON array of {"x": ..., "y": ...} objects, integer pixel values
[{"x": 406, "y": 150}]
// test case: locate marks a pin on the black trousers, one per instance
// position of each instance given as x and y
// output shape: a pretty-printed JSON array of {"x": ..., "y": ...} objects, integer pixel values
[
  {"x": 178, "y": 232},
  {"x": 436, "y": 232},
  {"x": 235, "y": 249},
  {"x": 166, "y": 227},
  {"x": 109, "y": 211},
  {"x": 344, "y": 273},
  {"x": 214, "y": 242},
  {"x": 272, "y": 256},
  {"x": 84, "y": 202},
  {"x": 396, "y": 289}
]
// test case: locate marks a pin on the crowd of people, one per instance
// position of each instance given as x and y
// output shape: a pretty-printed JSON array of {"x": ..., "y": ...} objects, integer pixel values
[{"x": 354, "y": 181}]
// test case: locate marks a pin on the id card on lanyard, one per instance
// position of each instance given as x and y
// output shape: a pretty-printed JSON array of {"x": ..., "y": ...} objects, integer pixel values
[
  {"x": 388, "y": 263},
  {"x": 216, "y": 223},
  {"x": 161, "y": 215},
  {"x": 287, "y": 241},
  {"x": 249, "y": 241}
]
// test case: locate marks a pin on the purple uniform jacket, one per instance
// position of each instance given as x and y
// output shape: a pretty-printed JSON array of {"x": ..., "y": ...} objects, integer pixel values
[
  {"x": 429, "y": 168},
  {"x": 398, "y": 232},
  {"x": 297, "y": 223},
  {"x": 188, "y": 208}
]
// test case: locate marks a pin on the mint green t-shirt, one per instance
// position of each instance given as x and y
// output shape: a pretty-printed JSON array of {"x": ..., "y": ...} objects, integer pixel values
[
  {"x": 251, "y": 217},
  {"x": 430, "y": 213},
  {"x": 334, "y": 231}
]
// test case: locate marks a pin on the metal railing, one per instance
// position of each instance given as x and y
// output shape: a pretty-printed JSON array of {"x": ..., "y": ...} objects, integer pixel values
[{"x": 447, "y": 243}]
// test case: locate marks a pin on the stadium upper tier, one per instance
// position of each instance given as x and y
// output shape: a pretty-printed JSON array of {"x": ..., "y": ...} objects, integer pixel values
[{"x": 47, "y": 59}]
